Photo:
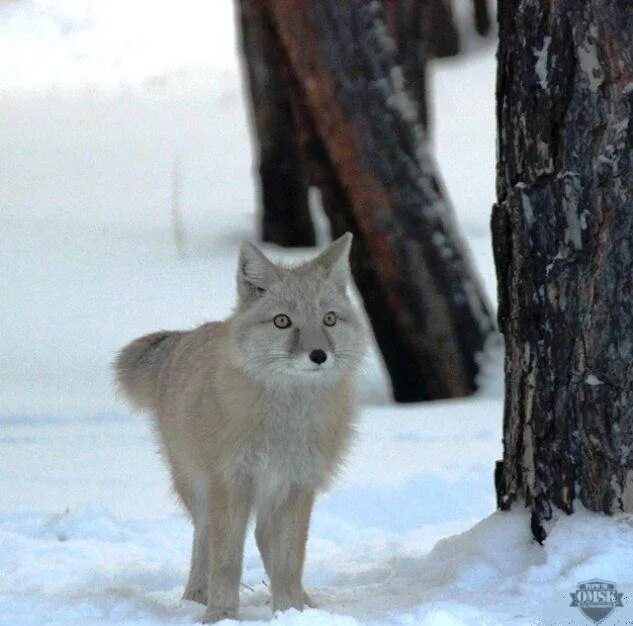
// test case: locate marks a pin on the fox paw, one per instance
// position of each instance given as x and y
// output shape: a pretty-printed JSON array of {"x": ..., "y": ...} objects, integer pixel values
[
  {"x": 195, "y": 595},
  {"x": 213, "y": 615},
  {"x": 282, "y": 601}
]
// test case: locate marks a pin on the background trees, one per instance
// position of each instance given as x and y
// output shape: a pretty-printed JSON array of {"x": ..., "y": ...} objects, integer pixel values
[
  {"x": 563, "y": 240},
  {"x": 339, "y": 104}
]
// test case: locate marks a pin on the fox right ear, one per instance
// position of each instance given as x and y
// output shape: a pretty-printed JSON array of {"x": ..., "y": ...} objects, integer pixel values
[
  {"x": 255, "y": 273},
  {"x": 335, "y": 260}
]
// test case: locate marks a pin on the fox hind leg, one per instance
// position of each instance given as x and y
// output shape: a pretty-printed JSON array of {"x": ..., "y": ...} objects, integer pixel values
[{"x": 195, "y": 497}]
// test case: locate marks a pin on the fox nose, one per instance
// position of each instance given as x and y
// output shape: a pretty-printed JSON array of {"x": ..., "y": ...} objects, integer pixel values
[{"x": 318, "y": 356}]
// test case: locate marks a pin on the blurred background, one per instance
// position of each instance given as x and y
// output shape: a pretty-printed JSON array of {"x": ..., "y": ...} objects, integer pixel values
[{"x": 128, "y": 179}]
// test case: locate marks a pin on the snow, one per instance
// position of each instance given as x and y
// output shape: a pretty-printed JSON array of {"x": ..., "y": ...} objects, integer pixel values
[
  {"x": 588, "y": 58},
  {"x": 542, "y": 55},
  {"x": 100, "y": 116},
  {"x": 593, "y": 380},
  {"x": 88, "y": 43}
]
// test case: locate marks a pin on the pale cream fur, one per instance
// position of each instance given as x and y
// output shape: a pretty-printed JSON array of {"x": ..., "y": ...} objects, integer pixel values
[{"x": 249, "y": 424}]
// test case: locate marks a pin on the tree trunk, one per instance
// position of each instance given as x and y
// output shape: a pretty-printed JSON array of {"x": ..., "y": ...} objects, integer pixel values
[
  {"x": 417, "y": 281},
  {"x": 285, "y": 219},
  {"x": 563, "y": 241},
  {"x": 439, "y": 29},
  {"x": 481, "y": 15},
  {"x": 285, "y": 216}
]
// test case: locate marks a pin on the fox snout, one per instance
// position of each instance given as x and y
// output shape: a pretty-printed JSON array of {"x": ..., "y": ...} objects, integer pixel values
[
  {"x": 313, "y": 343},
  {"x": 318, "y": 356}
]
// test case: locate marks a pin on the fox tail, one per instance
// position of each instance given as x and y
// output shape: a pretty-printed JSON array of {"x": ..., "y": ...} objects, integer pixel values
[{"x": 137, "y": 367}]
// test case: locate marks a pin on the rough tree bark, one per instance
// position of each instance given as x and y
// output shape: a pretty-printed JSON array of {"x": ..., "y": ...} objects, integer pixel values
[
  {"x": 413, "y": 273},
  {"x": 563, "y": 241},
  {"x": 285, "y": 215}
]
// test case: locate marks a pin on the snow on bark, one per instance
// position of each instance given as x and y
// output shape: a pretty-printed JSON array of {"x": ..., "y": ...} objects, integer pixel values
[{"x": 542, "y": 56}]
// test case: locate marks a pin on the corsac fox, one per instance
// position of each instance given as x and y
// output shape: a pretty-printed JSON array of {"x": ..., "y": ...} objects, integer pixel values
[{"x": 255, "y": 414}]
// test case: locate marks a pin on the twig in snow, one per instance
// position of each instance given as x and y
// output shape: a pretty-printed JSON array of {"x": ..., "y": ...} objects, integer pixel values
[{"x": 176, "y": 217}]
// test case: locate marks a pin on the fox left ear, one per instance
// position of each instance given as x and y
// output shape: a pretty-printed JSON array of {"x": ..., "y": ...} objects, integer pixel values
[
  {"x": 255, "y": 273},
  {"x": 335, "y": 260}
]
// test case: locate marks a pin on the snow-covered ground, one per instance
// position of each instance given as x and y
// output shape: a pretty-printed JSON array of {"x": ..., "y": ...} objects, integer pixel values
[{"x": 107, "y": 114}]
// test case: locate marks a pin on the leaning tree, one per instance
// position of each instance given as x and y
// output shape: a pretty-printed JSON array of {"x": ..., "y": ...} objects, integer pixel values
[
  {"x": 563, "y": 242},
  {"x": 339, "y": 82}
]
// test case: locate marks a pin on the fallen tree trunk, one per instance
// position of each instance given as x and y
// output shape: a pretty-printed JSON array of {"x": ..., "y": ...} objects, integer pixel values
[
  {"x": 421, "y": 29},
  {"x": 563, "y": 240},
  {"x": 345, "y": 67}
]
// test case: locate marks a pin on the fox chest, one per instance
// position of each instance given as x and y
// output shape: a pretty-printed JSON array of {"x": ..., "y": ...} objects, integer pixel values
[{"x": 286, "y": 448}]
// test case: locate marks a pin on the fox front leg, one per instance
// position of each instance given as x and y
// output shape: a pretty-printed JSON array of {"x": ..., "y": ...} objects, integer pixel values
[{"x": 282, "y": 533}]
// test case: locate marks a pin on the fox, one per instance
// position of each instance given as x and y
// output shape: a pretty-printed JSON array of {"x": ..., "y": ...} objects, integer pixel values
[{"x": 255, "y": 415}]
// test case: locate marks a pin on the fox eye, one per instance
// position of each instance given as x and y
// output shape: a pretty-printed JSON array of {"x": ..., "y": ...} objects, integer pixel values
[
  {"x": 330, "y": 318},
  {"x": 282, "y": 321}
]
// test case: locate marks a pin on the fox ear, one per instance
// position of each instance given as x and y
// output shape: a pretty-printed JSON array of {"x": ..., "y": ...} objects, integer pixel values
[
  {"x": 255, "y": 273},
  {"x": 335, "y": 260}
]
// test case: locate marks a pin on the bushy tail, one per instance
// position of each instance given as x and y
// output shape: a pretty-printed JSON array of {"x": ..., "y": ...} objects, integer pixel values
[{"x": 137, "y": 367}]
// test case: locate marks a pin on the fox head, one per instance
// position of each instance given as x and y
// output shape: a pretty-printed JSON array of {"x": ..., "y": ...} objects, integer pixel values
[{"x": 297, "y": 324}]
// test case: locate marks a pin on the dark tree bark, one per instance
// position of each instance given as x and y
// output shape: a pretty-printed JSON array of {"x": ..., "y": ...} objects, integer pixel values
[
  {"x": 563, "y": 241},
  {"x": 285, "y": 218},
  {"x": 380, "y": 182}
]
